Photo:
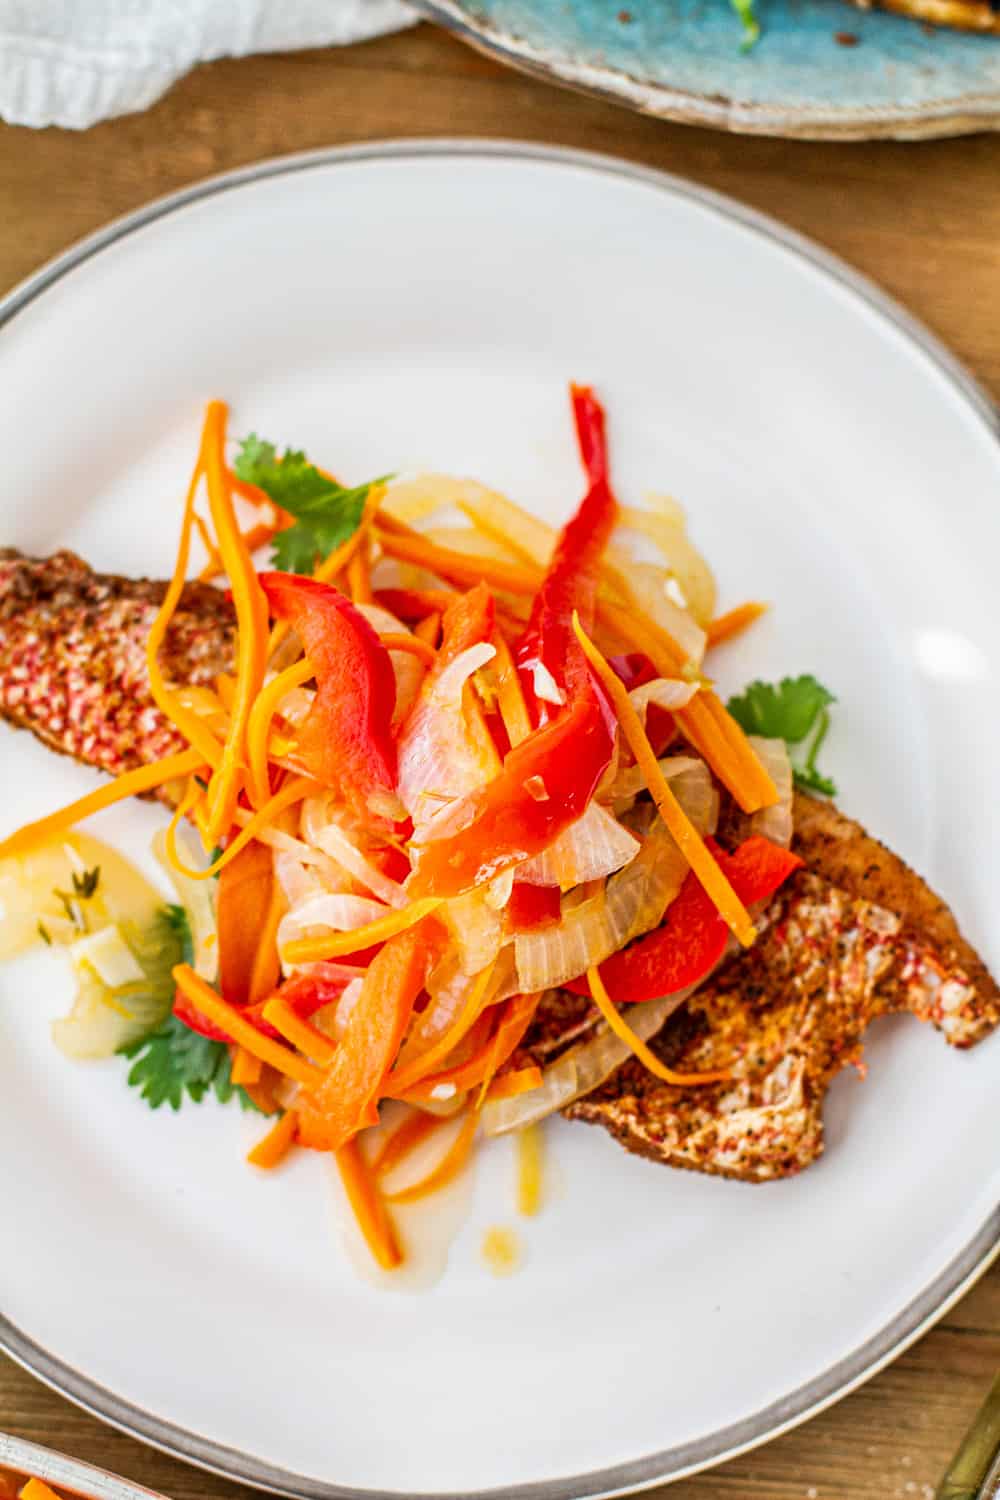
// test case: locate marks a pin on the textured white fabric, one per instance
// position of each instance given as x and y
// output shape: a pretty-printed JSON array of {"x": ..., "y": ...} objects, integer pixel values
[{"x": 74, "y": 62}]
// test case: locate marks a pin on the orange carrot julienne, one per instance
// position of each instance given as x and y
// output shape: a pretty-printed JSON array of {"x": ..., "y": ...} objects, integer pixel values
[
  {"x": 259, "y": 721},
  {"x": 229, "y": 1019},
  {"x": 306, "y": 1037},
  {"x": 457, "y": 567},
  {"x": 447, "y": 1168},
  {"x": 406, "y": 1137},
  {"x": 368, "y": 1206},
  {"x": 245, "y": 1067},
  {"x": 315, "y": 950},
  {"x": 733, "y": 622},
  {"x": 624, "y": 1032},
  {"x": 520, "y": 1081},
  {"x": 429, "y": 629},
  {"x": 358, "y": 575},
  {"x": 37, "y": 1489},
  {"x": 275, "y": 1146},
  {"x": 682, "y": 830},
  {"x": 129, "y": 784},
  {"x": 399, "y": 640},
  {"x": 262, "y": 1095},
  {"x": 251, "y": 623}
]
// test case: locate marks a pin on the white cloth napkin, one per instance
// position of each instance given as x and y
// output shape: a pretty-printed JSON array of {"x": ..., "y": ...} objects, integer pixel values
[{"x": 74, "y": 62}]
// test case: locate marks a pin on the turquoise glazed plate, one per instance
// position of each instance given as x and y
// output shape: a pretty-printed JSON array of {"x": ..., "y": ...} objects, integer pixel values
[{"x": 681, "y": 60}]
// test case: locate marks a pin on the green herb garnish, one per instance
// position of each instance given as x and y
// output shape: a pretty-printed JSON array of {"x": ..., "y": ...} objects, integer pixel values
[
  {"x": 326, "y": 513},
  {"x": 796, "y": 711},
  {"x": 172, "y": 1060},
  {"x": 747, "y": 12}
]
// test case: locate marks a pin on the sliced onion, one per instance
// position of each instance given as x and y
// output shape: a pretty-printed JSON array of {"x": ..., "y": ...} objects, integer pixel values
[
  {"x": 594, "y": 846},
  {"x": 670, "y": 693},
  {"x": 632, "y": 902},
  {"x": 476, "y": 928},
  {"x": 196, "y": 896},
  {"x": 581, "y": 1069},
  {"x": 775, "y": 823},
  {"x": 630, "y": 780},
  {"x": 664, "y": 523},
  {"x": 334, "y": 841},
  {"x": 441, "y": 756},
  {"x": 328, "y": 911},
  {"x": 472, "y": 543},
  {"x": 650, "y": 586}
]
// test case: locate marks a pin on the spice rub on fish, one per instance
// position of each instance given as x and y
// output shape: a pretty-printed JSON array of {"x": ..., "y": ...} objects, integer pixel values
[
  {"x": 854, "y": 936},
  {"x": 73, "y": 657}
]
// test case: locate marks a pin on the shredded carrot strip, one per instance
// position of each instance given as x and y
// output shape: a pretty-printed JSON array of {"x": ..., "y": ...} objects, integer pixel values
[
  {"x": 398, "y": 640},
  {"x": 704, "y": 721},
  {"x": 415, "y": 1068},
  {"x": 262, "y": 1095},
  {"x": 225, "y": 686},
  {"x": 447, "y": 1168},
  {"x": 213, "y": 563},
  {"x": 520, "y": 1081},
  {"x": 530, "y": 1170},
  {"x": 245, "y": 1067},
  {"x": 257, "y": 536},
  {"x": 259, "y": 724},
  {"x": 37, "y": 1489},
  {"x": 429, "y": 629},
  {"x": 294, "y": 791},
  {"x": 510, "y": 694},
  {"x": 338, "y": 558},
  {"x": 129, "y": 784},
  {"x": 683, "y": 831},
  {"x": 368, "y": 1206},
  {"x": 275, "y": 1146},
  {"x": 649, "y": 1060},
  {"x": 314, "y": 950},
  {"x": 724, "y": 627},
  {"x": 266, "y": 968},
  {"x": 229, "y": 1019},
  {"x": 458, "y": 567},
  {"x": 359, "y": 576},
  {"x": 297, "y": 1031},
  {"x": 251, "y": 623},
  {"x": 406, "y": 1137},
  {"x": 193, "y": 729}
]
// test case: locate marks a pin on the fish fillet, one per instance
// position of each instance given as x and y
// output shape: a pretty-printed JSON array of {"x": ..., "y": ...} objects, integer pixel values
[{"x": 855, "y": 936}]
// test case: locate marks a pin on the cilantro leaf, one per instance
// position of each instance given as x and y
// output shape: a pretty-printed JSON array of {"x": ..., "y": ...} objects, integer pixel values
[
  {"x": 326, "y": 513},
  {"x": 792, "y": 710},
  {"x": 172, "y": 1060},
  {"x": 786, "y": 712}
]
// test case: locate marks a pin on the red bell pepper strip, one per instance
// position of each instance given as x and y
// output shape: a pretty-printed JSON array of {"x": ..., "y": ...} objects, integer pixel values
[
  {"x": 693, "y": 937},
  {"x": 548, "y": 779},
  {"x": 532, "y": 907},
  {"x": 345, "y": 1101},
  {"x": 347, "y": 739},
  {"x": 193, "y": 1019},
  {"x": 571, "y": 580},
  {"x": 546, "y": 783}
]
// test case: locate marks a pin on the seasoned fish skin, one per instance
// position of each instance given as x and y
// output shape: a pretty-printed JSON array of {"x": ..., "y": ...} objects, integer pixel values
[
  {"x": 73, "y": 657},
  {"x": 784, "y": 1018}
]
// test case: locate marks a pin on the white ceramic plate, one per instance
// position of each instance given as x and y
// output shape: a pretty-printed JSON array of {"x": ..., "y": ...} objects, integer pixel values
[{"x": 425, "y": 305}]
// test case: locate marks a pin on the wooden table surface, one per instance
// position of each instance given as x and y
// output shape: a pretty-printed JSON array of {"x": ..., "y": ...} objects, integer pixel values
[{"x": 922, "y": 220}]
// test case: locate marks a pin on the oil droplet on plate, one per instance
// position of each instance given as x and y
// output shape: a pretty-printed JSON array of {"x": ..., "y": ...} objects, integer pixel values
[{"x": 501, "y": 1251}]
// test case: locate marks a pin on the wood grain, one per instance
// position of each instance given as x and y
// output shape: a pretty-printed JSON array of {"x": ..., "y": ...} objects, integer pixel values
[{"x": 922, "y": 220}]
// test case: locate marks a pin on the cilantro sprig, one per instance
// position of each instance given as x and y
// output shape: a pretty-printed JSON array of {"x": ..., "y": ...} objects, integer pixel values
[
  {"x": 797, "y": 711},
  {"x": 172, "y": 1062},
  {"x": 326, "y": 513}
]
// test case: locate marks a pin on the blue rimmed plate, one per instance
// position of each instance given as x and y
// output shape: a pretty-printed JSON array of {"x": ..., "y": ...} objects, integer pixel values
[{"x": 681, "y": 60}]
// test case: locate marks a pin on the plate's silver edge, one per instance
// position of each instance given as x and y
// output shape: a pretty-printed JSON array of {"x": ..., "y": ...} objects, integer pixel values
[
  {"x": 963, "y": 114},
  {"x": 923, "y": 1310},
  {"x": 33, "y": 1461}
]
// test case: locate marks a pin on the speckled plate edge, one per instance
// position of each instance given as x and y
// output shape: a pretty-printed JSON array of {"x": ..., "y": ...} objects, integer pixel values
[
  {"x": 31, "y": 1460},
  {"x": 963, "y": 115},
  {"x": 921, "y": 1313}
]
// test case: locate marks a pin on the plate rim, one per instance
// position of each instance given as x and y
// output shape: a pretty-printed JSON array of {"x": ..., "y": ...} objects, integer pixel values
[
  {"x": 964, "y": 114},
  {"x": 85, "y": 1480},
  {"x": 922, "y": 1311}
]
